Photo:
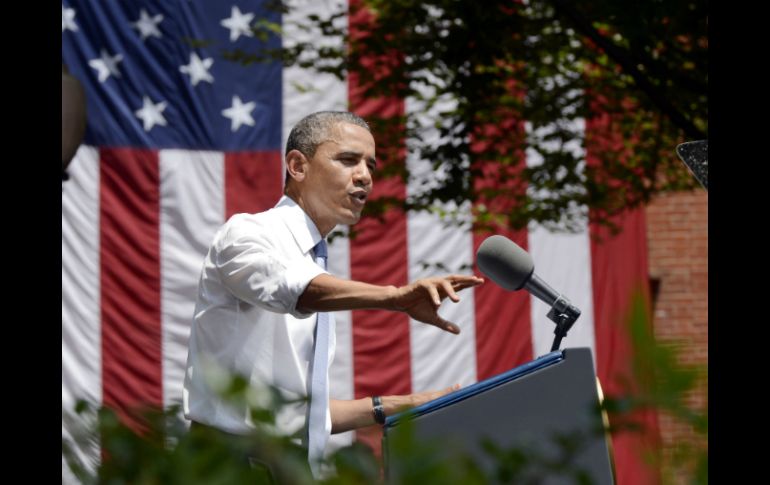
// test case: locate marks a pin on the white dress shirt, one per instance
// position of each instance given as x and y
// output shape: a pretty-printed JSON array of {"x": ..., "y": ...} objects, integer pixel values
[{"x": 246, "y": 321}]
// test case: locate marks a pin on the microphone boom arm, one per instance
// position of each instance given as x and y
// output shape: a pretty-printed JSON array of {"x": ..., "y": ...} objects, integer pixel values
[{"x": 564, "y": 314}]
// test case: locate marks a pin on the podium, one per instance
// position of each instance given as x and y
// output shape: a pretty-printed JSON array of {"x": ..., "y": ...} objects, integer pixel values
[{"x": 548, "y": 408}]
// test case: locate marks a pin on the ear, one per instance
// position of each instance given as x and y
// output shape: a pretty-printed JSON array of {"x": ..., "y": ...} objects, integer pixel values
[{"x": 296, "y": 165}]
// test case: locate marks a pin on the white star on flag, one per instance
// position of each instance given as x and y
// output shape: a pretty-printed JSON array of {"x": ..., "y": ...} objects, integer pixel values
[
  {"x": 238, "y": 24},
  {"x": 68, "y": 19},
  {"x": 198, "y": 68},
  {"x": 151, "y": 114},
  {"x": 107, "y": 65},
  {"x": 148, "y": 26},
  {"x": 239, "y": 113}
]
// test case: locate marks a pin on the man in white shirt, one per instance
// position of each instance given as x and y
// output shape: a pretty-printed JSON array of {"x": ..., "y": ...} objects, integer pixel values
[{"x": 261, "y": 286}]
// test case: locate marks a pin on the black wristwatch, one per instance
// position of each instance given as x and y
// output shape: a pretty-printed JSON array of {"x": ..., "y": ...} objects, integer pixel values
[{"x": 378, "y": 410}]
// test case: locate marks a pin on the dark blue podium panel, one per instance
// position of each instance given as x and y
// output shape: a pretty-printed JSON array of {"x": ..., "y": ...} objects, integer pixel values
[{"x": 547, "y": 408}]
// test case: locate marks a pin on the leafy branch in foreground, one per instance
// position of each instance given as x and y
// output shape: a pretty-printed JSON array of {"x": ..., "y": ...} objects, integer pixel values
[{"x": 162, "y": 450}]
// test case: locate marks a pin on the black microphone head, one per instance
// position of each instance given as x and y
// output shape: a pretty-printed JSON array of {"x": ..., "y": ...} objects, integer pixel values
[{"x": 504, "y": 262}]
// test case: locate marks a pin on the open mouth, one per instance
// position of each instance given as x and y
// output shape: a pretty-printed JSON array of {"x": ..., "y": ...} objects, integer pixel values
[{"x": 359, "y": 198}]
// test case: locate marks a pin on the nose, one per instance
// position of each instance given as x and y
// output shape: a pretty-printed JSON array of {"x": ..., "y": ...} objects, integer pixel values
[{"x": 362, "y": 175}]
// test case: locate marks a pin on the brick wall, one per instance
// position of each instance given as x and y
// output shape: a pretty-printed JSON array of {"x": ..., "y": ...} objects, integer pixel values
[{"x": 677, "y": 237}]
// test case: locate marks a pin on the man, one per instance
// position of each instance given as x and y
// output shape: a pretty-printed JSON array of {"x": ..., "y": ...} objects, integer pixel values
[{"x": 261, "y": 287}]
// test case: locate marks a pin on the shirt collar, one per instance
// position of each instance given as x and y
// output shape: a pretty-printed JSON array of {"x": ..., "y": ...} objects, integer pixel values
[{"x": 301, "y": 226}]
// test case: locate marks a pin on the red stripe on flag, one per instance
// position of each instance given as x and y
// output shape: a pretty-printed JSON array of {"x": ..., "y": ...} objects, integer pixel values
[
  {"x": 503, "y": 322},
  {"x": 381, "y": 356},
  {"x": 130, "y": 279},
  {"x": 618, "y": 269},
  {"x": 378, "y": 255},
  {"x": 503, "y": 328},
  {"x": 253, "y": 181}
]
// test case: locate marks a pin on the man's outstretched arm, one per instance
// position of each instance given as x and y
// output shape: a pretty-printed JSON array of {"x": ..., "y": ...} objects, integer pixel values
[{"x": 420, "y": 299}]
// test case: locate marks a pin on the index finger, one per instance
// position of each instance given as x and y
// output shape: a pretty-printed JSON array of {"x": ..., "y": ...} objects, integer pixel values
[{"x": 465, "y": 279}]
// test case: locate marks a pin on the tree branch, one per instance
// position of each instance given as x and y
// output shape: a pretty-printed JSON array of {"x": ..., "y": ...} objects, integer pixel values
[{"x": 656, "y": 95}]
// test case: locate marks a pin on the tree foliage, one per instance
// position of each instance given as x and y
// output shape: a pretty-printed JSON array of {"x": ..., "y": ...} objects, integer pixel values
[{"x": 493, "y": 83}]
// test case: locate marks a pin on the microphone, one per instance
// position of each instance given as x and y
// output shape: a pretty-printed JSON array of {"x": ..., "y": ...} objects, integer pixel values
[{"x": 508, "y": 265}]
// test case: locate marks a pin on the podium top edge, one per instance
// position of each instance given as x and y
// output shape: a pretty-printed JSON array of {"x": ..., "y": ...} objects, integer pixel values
[{"x": 541, "y": 362}]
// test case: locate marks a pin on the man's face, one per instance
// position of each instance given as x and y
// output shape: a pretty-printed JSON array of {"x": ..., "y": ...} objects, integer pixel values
[{"x": 339, "y": 177}]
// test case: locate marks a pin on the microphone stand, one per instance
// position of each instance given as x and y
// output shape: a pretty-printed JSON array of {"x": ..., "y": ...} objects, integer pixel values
[{"x": 563, "y": 314}]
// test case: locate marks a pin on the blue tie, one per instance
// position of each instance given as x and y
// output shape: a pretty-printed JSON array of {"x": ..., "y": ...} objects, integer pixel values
[{"x": 319, "y": 428}]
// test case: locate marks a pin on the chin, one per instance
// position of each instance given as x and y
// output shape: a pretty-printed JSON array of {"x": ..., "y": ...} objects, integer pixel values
[{"x": 351, "y": 218}]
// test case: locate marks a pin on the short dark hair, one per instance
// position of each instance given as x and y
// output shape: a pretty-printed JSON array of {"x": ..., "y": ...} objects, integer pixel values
[{"x": 314, "y": 129}]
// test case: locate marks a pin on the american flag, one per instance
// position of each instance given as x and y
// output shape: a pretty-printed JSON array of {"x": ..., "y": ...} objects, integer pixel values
[{"x": 179, "y": 139}]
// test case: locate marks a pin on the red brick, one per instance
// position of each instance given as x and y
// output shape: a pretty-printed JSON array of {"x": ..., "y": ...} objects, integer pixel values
[{"x": 677, "y": 239}]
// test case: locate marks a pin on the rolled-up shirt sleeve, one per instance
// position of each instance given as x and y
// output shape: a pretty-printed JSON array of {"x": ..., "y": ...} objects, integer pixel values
[{"x": 255, "y": 271}]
